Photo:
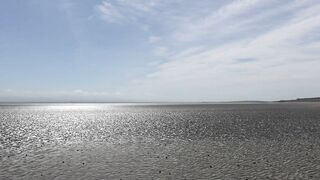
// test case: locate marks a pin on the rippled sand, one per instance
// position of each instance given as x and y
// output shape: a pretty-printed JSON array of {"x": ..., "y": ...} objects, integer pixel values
[{"x": 101, "y": 141}]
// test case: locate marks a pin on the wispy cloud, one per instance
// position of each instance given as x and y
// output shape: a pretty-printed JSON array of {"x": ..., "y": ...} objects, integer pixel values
[
  {"x": 154, "y": 39},
  {"x": 110, "y": 13},
  {"x": 120, "y": 11},
  {"x": 249, "y": 44}
]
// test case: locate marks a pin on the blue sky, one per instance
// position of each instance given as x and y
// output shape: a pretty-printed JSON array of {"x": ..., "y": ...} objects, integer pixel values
[{"x": 159, "y": 50}]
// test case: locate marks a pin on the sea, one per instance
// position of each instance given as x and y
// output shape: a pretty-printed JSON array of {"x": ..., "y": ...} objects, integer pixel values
[{"x": 160, "y": 141}]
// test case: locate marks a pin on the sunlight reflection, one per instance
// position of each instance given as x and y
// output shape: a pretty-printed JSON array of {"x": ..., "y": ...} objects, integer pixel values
[{"x": 75, "y": 106}]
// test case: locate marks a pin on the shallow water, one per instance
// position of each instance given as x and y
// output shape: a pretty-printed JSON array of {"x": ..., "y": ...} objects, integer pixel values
[{"x": 160, "y": 141}]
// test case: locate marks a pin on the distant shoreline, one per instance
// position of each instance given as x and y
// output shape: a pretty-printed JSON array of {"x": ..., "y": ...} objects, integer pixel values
[{"x": 314, "y": 99}]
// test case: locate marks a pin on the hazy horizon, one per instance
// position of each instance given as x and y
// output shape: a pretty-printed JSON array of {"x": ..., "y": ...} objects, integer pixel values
[
  {"x": 80, "y": 101},
  {"x": 159, "y": 50}
]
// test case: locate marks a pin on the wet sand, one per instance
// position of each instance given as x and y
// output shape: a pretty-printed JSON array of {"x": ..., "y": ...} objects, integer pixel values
[{"x": 253, "y": 141}]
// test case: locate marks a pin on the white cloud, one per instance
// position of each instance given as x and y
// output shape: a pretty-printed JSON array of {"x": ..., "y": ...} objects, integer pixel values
[
  {"x": 244, "y": 49},
  {"x": 109, "y": 12},
  {"x": 283, "y": 62},
  {"x": 220, "y": 21}
]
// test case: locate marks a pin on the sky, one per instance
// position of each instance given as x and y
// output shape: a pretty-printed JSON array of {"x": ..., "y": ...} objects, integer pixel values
[{"x": 159, "y": 50}]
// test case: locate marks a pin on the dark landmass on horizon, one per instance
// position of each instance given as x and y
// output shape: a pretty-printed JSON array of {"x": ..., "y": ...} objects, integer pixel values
[{"x": 314, "y": 99}]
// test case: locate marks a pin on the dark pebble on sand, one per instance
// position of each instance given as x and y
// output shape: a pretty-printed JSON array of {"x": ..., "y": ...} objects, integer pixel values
[
  {"x": 254, "y": 163},
  {"x": 159, "y": 171},
  {"x": 210, "y": 166}
]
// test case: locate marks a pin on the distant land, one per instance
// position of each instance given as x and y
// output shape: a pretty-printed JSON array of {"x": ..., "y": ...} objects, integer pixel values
[{"x": 314, "y": 99}]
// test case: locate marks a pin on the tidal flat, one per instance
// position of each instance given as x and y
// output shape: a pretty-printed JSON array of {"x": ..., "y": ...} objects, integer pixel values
[{"x": 160, "y": 141}]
